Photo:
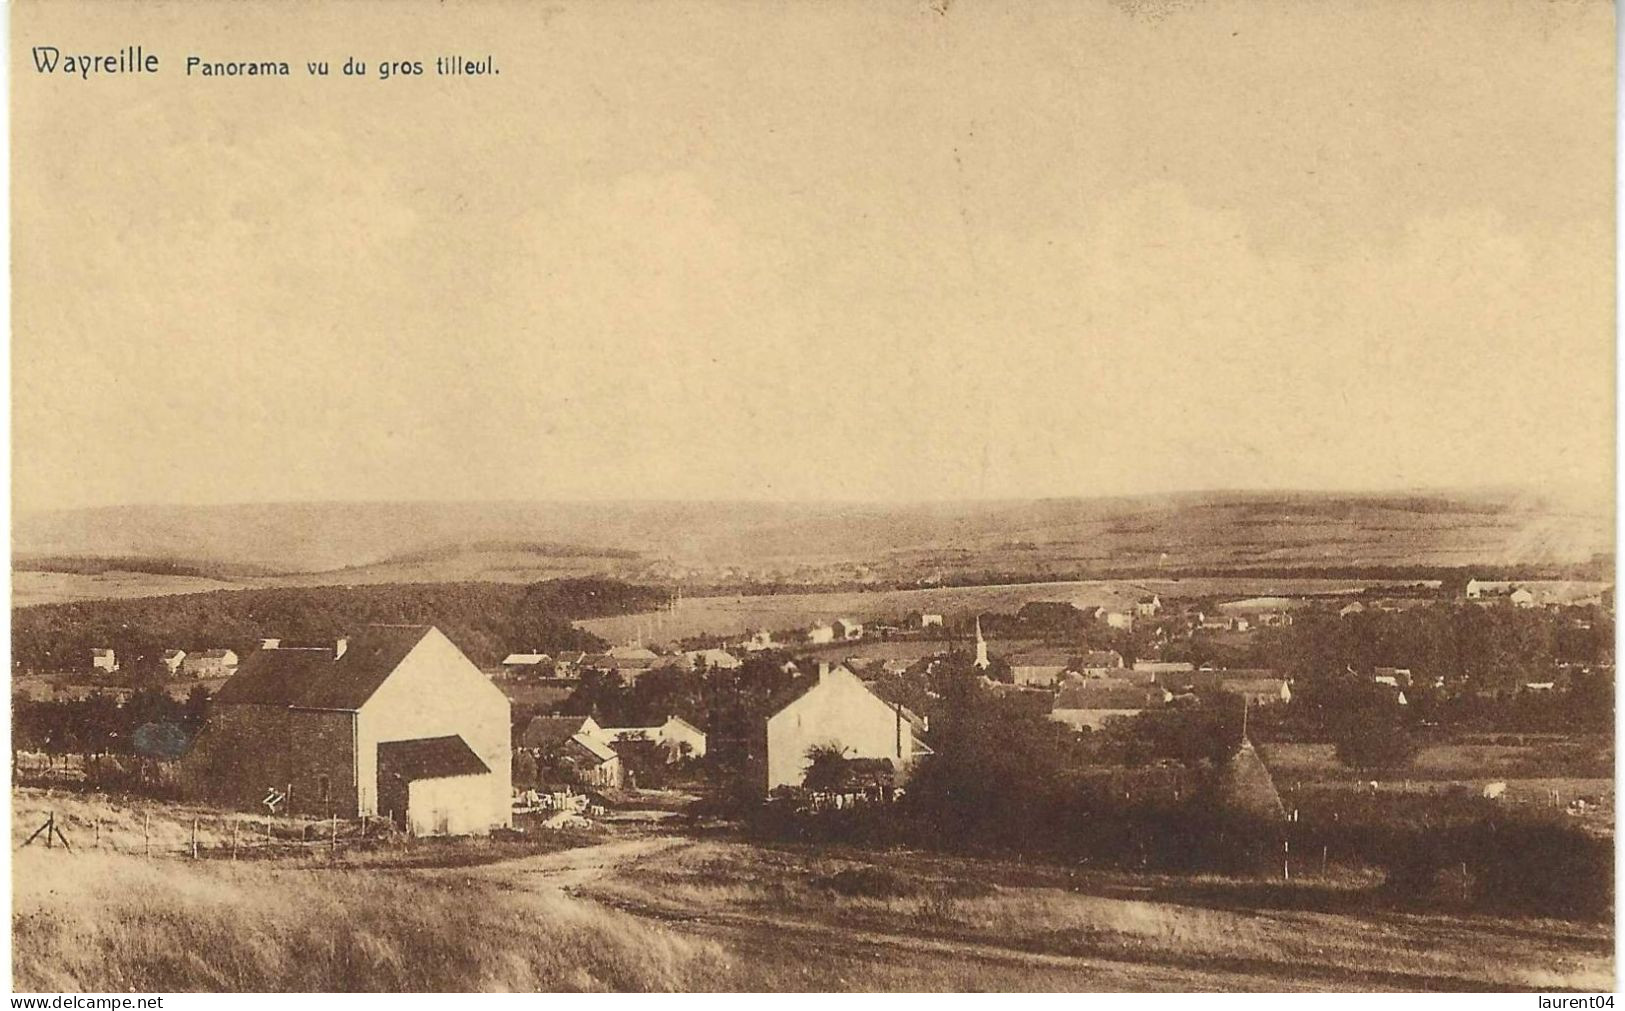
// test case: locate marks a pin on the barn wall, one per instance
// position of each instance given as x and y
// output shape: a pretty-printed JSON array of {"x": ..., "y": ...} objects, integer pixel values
[
  {"x": 839, "y": 710},
  {"x": 241, "y": 753},
  {"x": 322, "y": 743},
  {"x": 436, "y": 691}
]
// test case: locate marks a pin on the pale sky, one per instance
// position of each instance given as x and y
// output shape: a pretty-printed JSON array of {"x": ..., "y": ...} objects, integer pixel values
[{"x": 816, "y": 251}]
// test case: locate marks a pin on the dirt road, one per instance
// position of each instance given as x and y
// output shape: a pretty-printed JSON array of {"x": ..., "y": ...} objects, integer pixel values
[{"x": 788, "y": 951}]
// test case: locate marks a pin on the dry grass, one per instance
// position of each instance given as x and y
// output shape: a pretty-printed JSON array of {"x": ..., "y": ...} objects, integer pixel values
[
  {"x": 106, "y": 922},
  {"x": 1200, "y": 924}
]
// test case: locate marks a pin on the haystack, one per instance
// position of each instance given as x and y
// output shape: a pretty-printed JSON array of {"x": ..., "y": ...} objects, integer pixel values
[{"x": 1243, "y": 787}]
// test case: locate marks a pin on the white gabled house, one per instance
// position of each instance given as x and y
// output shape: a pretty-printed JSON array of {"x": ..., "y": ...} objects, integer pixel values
[
  {"x": 834, "y": 708},
  {"x": 680, "y": 737}
]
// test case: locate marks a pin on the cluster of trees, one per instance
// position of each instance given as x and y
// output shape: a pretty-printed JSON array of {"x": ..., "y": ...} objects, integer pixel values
[
  {"x": 1477, "y": 649},
  {"x": 148, "y": 723},
  {"x": 486, "y": 620}
]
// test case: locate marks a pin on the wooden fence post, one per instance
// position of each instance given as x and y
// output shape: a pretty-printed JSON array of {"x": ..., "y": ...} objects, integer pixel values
[
  {"x": 194, "y": 838},
  {"x": 146, "y": 832},
  {"x": 333, "y": 847},
  {"x": 234, "y": 838}
]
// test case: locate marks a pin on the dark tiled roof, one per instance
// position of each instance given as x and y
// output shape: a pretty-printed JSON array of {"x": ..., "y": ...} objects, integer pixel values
[
  {"x": 1042, "y": 658},
  {"x": 430, "y": 758},
  {"x": 550, "y": 731},
  {"x": 1214, "y": 680},
  {"x": 1107, "y": 693},
  {"x": 1100, "y": 658},
  {"x": 789, "y": 693},
  {"x": 312, "y": 679}
]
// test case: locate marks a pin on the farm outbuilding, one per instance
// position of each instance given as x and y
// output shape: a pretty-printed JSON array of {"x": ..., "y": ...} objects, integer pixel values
[{"x": 393, "y": 717}]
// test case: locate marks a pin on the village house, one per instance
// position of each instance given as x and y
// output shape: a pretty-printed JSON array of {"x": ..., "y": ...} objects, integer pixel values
[
  {"x": 525, "y": 662},
  {"x": 1495, "y": 591},
  {"x": 633, "y": 656},
  {"x": 210, "y": 663},
  {"x": 592, "y": 762},
  {"x": 930, "y": 621},
  {"x": 395, "y": 721},
  {"x": 1222, "y": 623},
  {"x": 711, "y": 659},
  {"x": 1098, "y": 662},
  {"x": 1090, "y": 704},
  {"x": 1258, "y": 691},
  {"x": 759, "y": 640},
  {"x": 680, "y": 738},
  {"x": 573, "y": 748},
  {"x": 1352, "y": 608},
  {"x": 1148, "y": 606},
  {"x": 847, "y": 630},
  {"x": 1161, "y": 667},
  {"x": 821, "y": 635},
  {"x": 1260, "y": 686},
  {"x": 103, "y": 660},
  {"x": 1040, "y": 667},
  {"x": 1117, "y": 619},
  {"x": 833, "y": 709},
  {"x": 171, "y": 661},
  {"x": 545, "y": 732}
]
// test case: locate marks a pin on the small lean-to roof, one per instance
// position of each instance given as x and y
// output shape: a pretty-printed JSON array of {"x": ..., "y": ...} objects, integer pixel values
[
  {"x": 594, "y": 747},
  {"x": 430, "y": 758},
  {"x": 313, "y": 679}
]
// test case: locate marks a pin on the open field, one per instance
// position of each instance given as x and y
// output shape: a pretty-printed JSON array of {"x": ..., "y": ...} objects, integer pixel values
[
  {"x": 61, "y": 587},
  {"x": 726, "y": 543},
  {"x": 736, "y": 614},
  {"x": 1509, "y": 757},
  {"x": 631, "y": 908}
]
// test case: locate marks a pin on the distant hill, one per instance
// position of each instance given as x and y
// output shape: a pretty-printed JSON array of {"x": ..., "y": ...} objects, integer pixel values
[{"x": 723, "y": 543}]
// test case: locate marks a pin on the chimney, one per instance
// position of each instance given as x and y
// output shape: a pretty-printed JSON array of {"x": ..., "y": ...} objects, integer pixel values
[
  {"x": 823, "y": 670},
  {"x": 340, "y": 646},
  {"x": 270, "y": 643}
]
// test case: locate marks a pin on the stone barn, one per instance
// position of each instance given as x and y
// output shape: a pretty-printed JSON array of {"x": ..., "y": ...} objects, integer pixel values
[{"x": 395, "y": 721}]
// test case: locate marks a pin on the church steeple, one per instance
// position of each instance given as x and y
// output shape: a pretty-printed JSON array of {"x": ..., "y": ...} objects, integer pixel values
[{"x": 982, "y": 662}]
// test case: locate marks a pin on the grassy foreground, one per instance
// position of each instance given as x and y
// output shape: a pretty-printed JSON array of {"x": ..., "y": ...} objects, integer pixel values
[{"x": 96, "y": 921}]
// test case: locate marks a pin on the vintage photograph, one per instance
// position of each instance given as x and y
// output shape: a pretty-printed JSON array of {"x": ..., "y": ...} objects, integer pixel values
[{"x": 919, "y": 495}]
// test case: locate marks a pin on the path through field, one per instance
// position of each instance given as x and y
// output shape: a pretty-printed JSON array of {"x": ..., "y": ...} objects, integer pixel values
[{"x": 788, "y": 949}]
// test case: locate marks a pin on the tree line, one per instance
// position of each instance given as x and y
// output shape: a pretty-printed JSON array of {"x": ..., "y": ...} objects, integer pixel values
[{"x": 486, "y": 620}]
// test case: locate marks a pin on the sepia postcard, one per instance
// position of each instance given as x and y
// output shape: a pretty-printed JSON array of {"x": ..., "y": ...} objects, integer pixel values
[{"x": 919, "y": 495}]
